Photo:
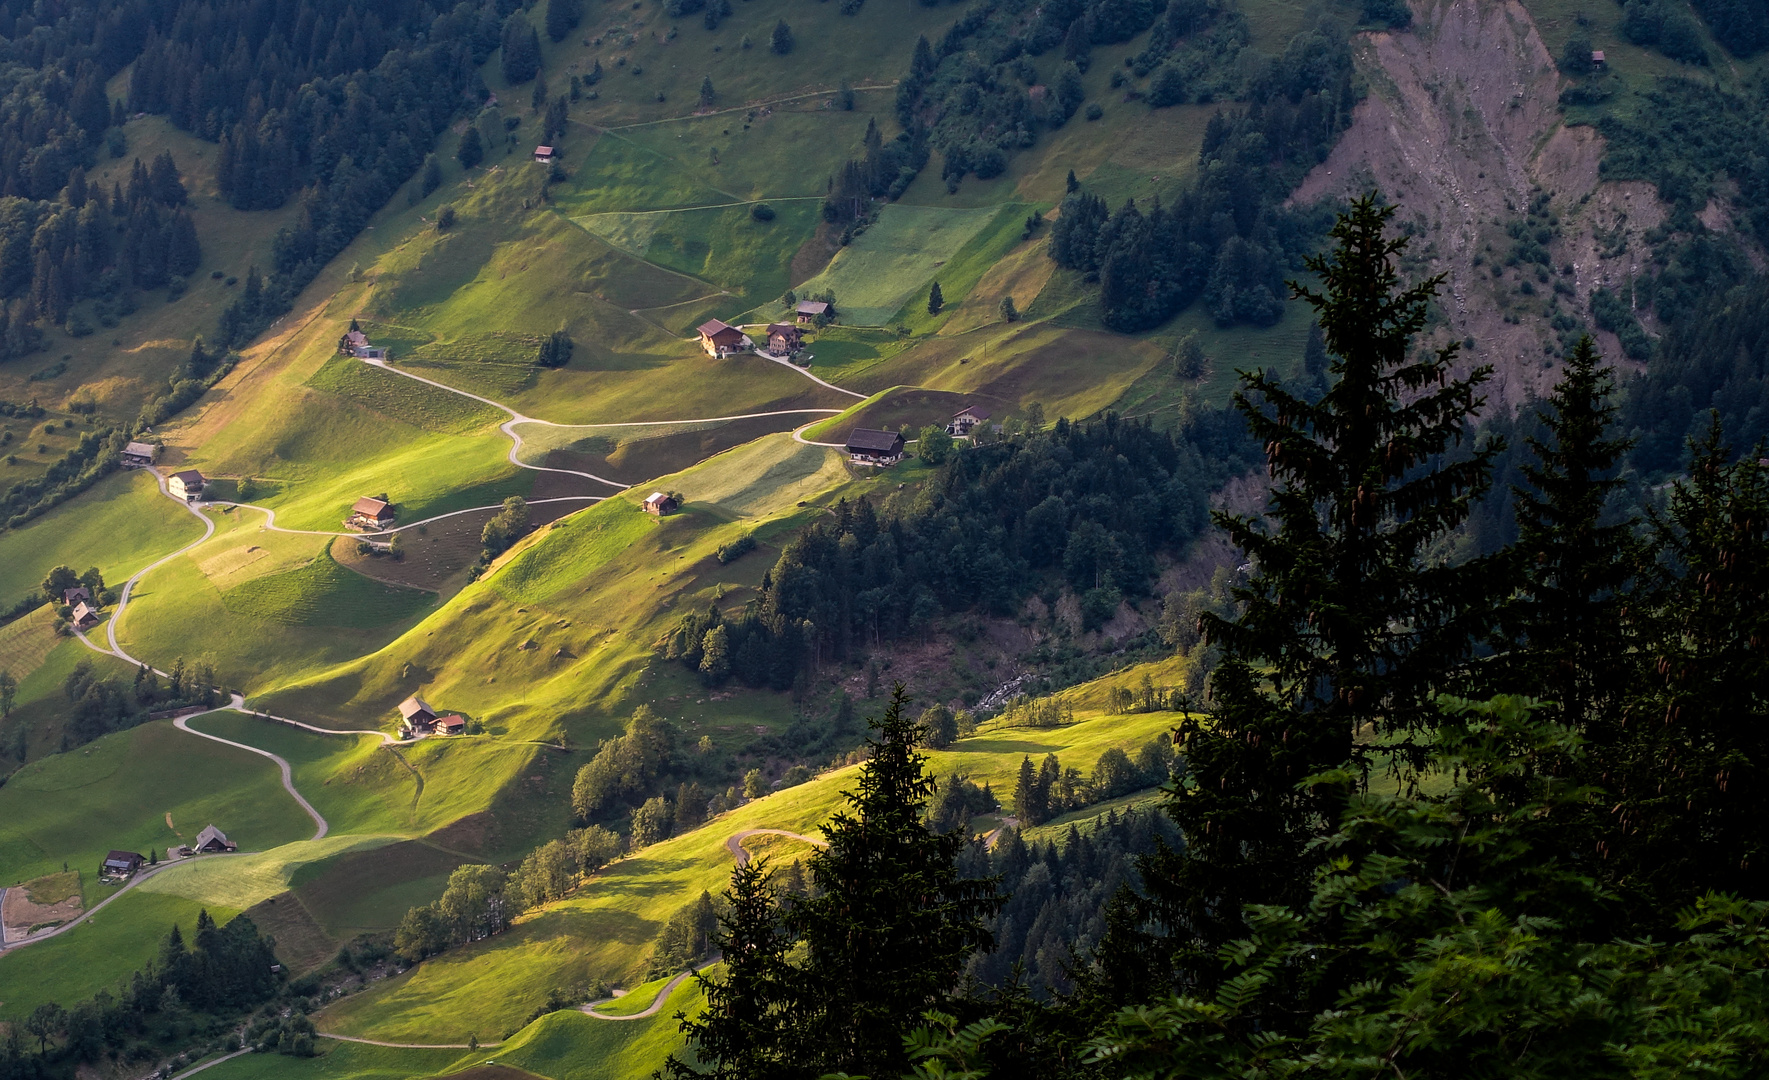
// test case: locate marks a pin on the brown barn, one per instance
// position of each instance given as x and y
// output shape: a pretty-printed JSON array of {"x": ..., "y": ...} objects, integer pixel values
[
  {"x": 415, "y": 714},
  {"x": 784, "y": 339},
  {"x": 85, "y": 616},
  {"x": 451, "y": 725},
  {"x": 808, "y": 310},
  {"x": 371, "y": 513},
  {"x": 212, "y": 840},
  {"x": 121, "y": 863},
  {"x": 868, "y": 446},
  {"x": 186, "y": 485},
  {"x": 721, "y": 340},
  {"x": 963, "y": 422},
  {"x": 659, "y": 503}
]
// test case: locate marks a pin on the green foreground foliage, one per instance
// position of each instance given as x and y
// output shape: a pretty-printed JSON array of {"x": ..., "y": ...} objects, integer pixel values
[{"x": 1374, "y": 875}]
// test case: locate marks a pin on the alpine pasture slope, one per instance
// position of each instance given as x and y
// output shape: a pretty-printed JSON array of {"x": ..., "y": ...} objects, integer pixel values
[{"x": 654, "y": 228}]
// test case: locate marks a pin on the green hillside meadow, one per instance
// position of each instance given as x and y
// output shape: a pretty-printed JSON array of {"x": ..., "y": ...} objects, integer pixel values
[{"x": 669, "y": 206}]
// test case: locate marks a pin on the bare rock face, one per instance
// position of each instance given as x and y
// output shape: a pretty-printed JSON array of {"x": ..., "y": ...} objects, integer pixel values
[{"x": 1462, "y": 128}]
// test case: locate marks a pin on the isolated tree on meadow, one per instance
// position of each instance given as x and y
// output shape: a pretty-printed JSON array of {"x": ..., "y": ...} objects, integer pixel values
[
  {"x": 935, "y": 301},
  {"x": 470, "y": 153},
  {"x": 8, "y": 694},
  {"x": 933, "y": 445},
  {"x": 59, "y": 581},
  {"x": 1009, "y": 313},
  {"x": 562, "y": 18},
  {"x": 781, "y": 41},
  {"x": 706, "y": 92}
]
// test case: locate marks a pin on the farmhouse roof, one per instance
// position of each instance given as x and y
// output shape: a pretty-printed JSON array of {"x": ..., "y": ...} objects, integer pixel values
[
  {"x": 812, "y": 307},
  {"x": 211, "y": 833},
  {"x": 782, "y": 328},
  {"x": 189, "y": 477},
  {"x": 369, "y": 507},
  {"x": 452, "y": 723},
  {"x": 1596, "y": 56},
  {"x": 975, "y": 412},
  {"x": 871, "y": 439},
  {"x": 357, "y": 337},
  {"x": 142, "y": 449},
  {"x": 83, "y": 611},
  {"x": 413, "y": 706},
  {"x": 713, "y": 326},
  {"x": 543, "y": 151},
  {"x": 124, "y": 858},
  {"x": 76, "y": 594}
]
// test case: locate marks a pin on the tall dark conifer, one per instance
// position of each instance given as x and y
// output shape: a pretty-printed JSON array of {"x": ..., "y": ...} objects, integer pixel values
[
  {"x": 1569, "y": 629},
  {"x": 1349, "y": 621},
  {"x": 891, "y": 924},
  {"x": 741, "y": 1034},
  {"x": 1691, "y": 805}
]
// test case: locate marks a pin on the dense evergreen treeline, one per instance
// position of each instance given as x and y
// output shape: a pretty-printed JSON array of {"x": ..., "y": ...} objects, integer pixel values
[
  {"x": 1717, "y": 359},
  {"x": 337, "y": 99},
  {"x": 195, "y": 989},
  {"x": 1373, "y": 875},
  {"x": 1228, "y": 238},
  {"x": 1093, "y": 503},
  {"x": 1057, "y": 896}
]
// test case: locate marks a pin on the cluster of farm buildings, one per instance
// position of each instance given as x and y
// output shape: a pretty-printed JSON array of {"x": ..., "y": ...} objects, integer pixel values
[
  {"x": 416, "y": 718},
  {"x": 119, "y": 865},
  {"x": 780, "y": 339}
]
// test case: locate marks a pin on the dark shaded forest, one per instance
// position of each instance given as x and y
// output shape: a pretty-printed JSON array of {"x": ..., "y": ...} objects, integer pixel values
[{"x": 1085, "y": 505}]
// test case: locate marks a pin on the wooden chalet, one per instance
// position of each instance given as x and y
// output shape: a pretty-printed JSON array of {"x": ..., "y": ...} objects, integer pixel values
[
  {"x": 121, "y": 864},
  {"x": 868, "y": 446},
  {"x": 186, "y": 485},
  {"x": 808, "y": 310},
  {"x": 77, "y": 594},
  {"x": 965, "y": 421},
  {"x": 140, "y": 453},
  {"x": 85, "y": 616},
  {"x": 784, "y": 339},
  {"x": 370, "y": 514},
  {"x": 451, "y": 725},
  {"x": 659, "y": 503},
  {"x": 416, "y": 715},
  {"x": 545, "y": 155},
  {"x": 721, "y": 340},
  {"x": 356, "y": 343},
  {"x": 212, "y": 840}
]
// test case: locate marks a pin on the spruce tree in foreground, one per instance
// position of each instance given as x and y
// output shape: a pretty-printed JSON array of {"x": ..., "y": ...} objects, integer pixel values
[
  {"x": 885, "y": 934},
  {"x": 742, "y": 1032},
  {"x": 1695, "y": 794},
  {"x": 890, "y": 924},
  {"x": 1349, "y": 623},
  {"x": 1569, "y": 633},
  {"x": 935, "y": 301}
]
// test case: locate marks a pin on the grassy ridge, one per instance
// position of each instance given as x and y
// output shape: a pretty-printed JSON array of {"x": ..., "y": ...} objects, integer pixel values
[
  {"x": 414, "y": 403},
  {"x": 118, "y": 792},
  {"x": 119, "y": 526},
  {"x": 605, "y": 930},
  {"x": 322, "y": 593},
  {"x": 875, "y": 276}
]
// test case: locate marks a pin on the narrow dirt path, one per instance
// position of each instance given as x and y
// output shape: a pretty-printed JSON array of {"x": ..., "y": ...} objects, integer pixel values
[
  {"x": 319, "y": 821},
  {"x": 739, "y": 856}
]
